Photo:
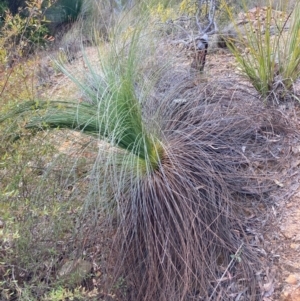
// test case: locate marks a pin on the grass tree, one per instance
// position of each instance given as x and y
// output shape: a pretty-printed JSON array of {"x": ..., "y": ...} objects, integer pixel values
[{"x": 171, "y": 180}]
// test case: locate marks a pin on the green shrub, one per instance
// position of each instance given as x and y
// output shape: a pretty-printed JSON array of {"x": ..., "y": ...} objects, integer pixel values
[
  {"x": 16, "y": 5},
  {"x": 3, "y": 8},
  {"x": 63, "y": 11},
  {"x": 21, "y": 33},
  {"x": 267, "y": 51},
  {"x": 62, "y": 294}
]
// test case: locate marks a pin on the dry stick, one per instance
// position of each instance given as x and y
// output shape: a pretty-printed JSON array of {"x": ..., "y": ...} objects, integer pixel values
[
  {"x": 5, "y": 84},
  {"x": 229, "y": 265},
  {"x": 211, "y": 16}
]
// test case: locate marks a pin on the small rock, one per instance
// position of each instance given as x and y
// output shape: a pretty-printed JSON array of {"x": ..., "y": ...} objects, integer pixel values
[
  {"x": 297, "y": 237},
  {"x": 74, "y": 271},
  {"x": 293, "y": 295},
  {"x": 296, "y": 149},
  {"x": 292, "y": 279},
  {"x": 295, "y": 246},
  {"x": 1, "y": 224}
]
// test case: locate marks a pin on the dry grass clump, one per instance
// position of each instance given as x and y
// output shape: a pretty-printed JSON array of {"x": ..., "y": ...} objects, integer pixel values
[{"x": 177, "y": 229}]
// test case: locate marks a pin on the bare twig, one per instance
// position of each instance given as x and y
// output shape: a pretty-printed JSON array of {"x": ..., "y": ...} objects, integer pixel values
[
  {"x": 210, "y": 6},
  {"x": 226, "y": 270}
]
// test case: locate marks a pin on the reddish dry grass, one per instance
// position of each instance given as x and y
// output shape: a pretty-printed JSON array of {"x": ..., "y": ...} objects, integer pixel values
[{"x": 180, "y": 235}]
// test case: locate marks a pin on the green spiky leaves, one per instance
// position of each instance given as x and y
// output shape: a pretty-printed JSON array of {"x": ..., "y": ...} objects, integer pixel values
[
  {"x": 267, "y": 50},
  {"x": 112, "y": 110}
]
